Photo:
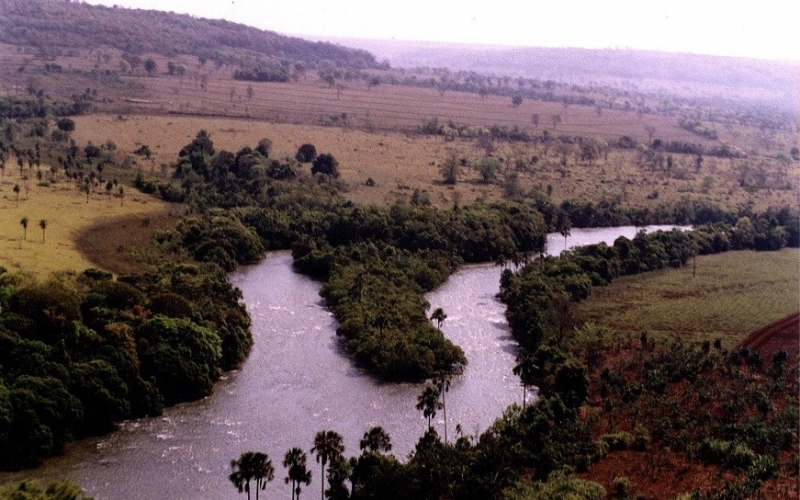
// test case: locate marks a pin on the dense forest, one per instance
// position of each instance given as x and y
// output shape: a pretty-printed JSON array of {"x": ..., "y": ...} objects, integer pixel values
[{"x": 52, "y": 25}]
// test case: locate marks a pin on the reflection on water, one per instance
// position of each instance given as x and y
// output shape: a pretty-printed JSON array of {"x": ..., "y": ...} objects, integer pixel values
[{"x": 297, "y": 381}]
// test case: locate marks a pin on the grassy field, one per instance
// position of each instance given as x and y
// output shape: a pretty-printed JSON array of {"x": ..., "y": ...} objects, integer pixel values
[
  {"x": 68, "y": 215},
  {"x": 733, "y": 294},
  {"x": 400, "y": 162}
]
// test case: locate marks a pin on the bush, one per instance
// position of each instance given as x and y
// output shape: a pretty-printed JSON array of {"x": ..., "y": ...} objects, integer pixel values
[
  {"x": 621, "y": 485},
  {"x": 618, "y": 440},
  {"x": 325, "y": 164},
  {"x": 306, "y": 153}
]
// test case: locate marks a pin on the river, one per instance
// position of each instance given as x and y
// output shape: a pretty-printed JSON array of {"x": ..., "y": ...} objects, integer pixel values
[{"x": 297, "y": 381}]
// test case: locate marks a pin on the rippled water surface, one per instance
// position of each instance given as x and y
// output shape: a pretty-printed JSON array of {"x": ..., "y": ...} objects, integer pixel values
[{"x": 297, "y": 381}]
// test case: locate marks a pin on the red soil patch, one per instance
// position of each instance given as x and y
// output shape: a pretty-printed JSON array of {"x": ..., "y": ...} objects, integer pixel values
[
  {"x": 782, "y": 334},
  {"x": 656, "y": 474}
]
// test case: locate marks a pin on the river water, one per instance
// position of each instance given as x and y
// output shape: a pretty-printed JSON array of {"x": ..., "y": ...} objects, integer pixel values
[{"x": 298, "y": 381}]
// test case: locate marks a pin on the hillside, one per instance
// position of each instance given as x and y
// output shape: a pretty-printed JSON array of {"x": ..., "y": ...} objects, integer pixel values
[
  {"x": 767, "y": 83},
  {"x": 51, "y": 25}
]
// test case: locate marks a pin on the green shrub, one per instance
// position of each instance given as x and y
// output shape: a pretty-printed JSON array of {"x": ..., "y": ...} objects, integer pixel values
[{"x": 618, "y": 440}]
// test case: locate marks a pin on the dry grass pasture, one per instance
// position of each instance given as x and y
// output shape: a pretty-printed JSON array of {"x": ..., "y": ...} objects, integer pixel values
[
  {"x": 68, "y": 215},
  {"x": 400, "y": 162}
]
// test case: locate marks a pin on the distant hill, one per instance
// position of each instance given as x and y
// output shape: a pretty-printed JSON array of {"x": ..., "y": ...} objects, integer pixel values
[
  {"x": 52, "y": 25},
  {"x": 691, "y": 75}
]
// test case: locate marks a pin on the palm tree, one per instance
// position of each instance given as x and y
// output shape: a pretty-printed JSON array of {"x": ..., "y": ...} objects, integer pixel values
[
  {"x": 428, "y": 402},
  {"x": 563, "y": 226},
  {"x": 251, "y": 465},
  {"x": 43, "y": 225},
  {"x": 439, "y": 316},
  {"x": 442, "y": 383},
  {"x": 524, "y": 369},
  {"x": 295, "y": 461},
  {"x": 24, "y": 223},
  {"x": 327, "y": 445},
  {"x": 242, "y": 472},
  {"x": 16, "y": 192},
  {"x": 376, "y": 439}
]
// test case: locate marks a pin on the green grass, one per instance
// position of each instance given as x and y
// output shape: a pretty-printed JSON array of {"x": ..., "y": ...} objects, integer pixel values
[{"x": 733, "y": 294}]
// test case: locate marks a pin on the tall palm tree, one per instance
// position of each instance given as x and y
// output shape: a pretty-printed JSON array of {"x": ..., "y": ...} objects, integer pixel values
[
  {"x": 251, "y": 465},
  {"x": 442, "y": 383},
  {"x": 428, "y": 402},
  {"x": 439, "y": 316},
  {"x": 524, "y": 369},
  {"x": 43, "y": 225},
  {"x": 16, "y": 192},
  {"x": 327, "y": 445},
  {"x": 376, "y": 439},
  {"x": 295, "y": 461},
  {"x": 242, "y": 472},
  {"x": 24, "y": 223}
]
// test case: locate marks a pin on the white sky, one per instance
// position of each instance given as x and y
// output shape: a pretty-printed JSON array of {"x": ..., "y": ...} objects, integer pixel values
[{"x": 764, "y": 29}]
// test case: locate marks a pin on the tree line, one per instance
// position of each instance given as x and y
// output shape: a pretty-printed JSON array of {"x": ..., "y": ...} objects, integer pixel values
[{"x": 78, "y": 355}]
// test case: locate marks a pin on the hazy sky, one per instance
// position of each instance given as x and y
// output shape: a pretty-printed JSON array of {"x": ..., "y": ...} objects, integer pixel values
[{"x": 765, "y": 29}]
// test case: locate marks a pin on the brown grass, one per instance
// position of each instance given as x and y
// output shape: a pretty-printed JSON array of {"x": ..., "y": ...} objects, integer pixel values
[{"x": 400, "y": 162}]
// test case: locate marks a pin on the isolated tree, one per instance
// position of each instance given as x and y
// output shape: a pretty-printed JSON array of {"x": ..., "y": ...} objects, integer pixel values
[
  {"x": 535, "y": 119},
  {"x": 485, "y": 142},
  {"x": 524, "y": 369},
  {"x": 250, "y": 92},
  {"x": 150, "y": 66},
  {"x": 264, "y": 147},
  {"x": 43, "y": 225},
  {"x": 24, "y": 223},
  {"x": 65, "y": 125},
  {"x": 295, "y": 461},
  {"x": 121, "y": 193},
  {"x": 651, "y": 131},
  {"x": 589, "y": 152},
  {"x": 516, "y": 100},
  {"x": 438, "y": 316},
  {"x": 16, "y": 192},
  {"x": 251, "y": 465},
  {"x": 325, "y": 164},
  {"x": 306, "y": 153},
  {"x": 92, "y": 152},
  {"x": 327, "y": 446},
  {"x": 442, "y": 383},
  {"x": 487, "y": 168},
  {"x": 376, "y": 439},
  {"x": 450, "y": 169},
  {"x": 563, "y": 226},
  {"x": 428, "y": 403},
  {"x": 556, "y": 119}
]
